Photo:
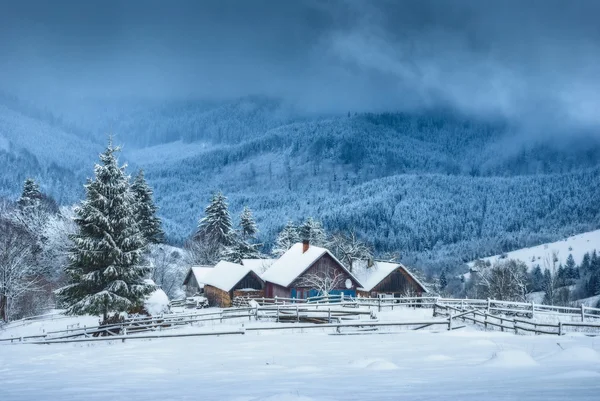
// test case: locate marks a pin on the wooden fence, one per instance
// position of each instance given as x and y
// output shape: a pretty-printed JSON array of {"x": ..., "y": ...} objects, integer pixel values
[
  {"x": 337, "y": 310},
  {"x": 508, "y": 323},
  {"x": 491, "y": 306}
]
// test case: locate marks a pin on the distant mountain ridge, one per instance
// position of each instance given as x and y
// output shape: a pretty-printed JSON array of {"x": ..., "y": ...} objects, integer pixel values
[{"x": 437, "y": 187}]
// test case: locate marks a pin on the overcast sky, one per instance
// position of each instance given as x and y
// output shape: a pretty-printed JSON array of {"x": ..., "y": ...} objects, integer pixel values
[{"x": 522, "y": 59}]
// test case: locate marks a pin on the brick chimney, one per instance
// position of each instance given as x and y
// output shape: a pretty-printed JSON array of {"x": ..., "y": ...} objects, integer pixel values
[{"x": 305, "y": 245}]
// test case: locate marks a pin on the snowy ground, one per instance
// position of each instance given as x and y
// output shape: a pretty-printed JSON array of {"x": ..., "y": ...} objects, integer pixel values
[{"x": 467, "y": 364}]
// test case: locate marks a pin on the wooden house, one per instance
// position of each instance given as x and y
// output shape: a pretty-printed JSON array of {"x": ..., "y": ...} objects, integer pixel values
[
  {"x": 304, "y": 271},
  {"x": 194, "y": 280},
  {"x": 227, "y": 280},
  {"x": 387, "y": 279}
]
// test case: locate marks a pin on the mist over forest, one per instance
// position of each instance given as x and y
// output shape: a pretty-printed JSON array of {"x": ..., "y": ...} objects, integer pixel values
[{"x": 442, "y": 131}]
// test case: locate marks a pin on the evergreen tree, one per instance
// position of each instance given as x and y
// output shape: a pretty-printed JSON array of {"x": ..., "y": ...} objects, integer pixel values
[
  {"x": 443, "y": 280},
  {"x": 105, "y": 274},
  {"x": 536, "y": 280},
  {"x": 586, "y": 263},
  {"x": 31, "y": 195},
  {"x": 240, "y": 249},
  {"x": 312, "y": 231},
  {"x": 145, "y": 210},
  {"x": 247, "y": 224},
  {"x": 286, "y": 238},
  {"x": 215, "y": 227}
]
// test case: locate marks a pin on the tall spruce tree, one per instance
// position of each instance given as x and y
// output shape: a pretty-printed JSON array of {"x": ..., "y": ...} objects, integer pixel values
[
  {"x": 31, "y": 195},
  {"x": 312, "y": 231},
  {"x": 248, "y": 229},
  {"x": 105, "y": 274},
  {"x": 215, "y": 228},
  {"x": 145, "y": 210},
  {"x": 286, "y": 238}
]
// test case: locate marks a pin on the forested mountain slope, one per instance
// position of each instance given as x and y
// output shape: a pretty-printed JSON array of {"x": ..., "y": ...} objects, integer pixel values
[{"x": 437, "y": 187}]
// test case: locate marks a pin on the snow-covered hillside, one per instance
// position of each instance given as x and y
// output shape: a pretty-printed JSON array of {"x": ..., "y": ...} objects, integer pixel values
[{"x": 576, "y": 245}]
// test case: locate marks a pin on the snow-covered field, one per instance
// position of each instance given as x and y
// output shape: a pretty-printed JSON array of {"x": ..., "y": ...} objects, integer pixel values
[
  {"x": 576, "y": 245},
  {"x": 466, "y": 364}
]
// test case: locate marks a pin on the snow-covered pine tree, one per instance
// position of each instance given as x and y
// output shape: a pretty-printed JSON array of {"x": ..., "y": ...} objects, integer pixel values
[
  {"x": 215, "y": 227},
  {"x": 240, "y": 249},
  {"x": 286, "y": 238},
  {"x": 105, "y": 272},
  {"x": 312, "y": 231},
  {"x": 247, "y": 224},
  {"x": 31, "y": 194},
  {"x": 145, "y": 210}
]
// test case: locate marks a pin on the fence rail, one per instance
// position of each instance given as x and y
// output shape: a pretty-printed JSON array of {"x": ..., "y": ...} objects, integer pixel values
[{"x": 336, "y": 310}]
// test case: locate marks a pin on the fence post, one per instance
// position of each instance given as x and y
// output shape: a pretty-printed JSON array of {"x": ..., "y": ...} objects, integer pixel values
[
  {"x": 450, "y": 321},
  {"x": 560, "y": 328},
  {"x": 501, "y": 324},
  {"x": 488, "y": 305},
  {"x": 582, "y": 312},
  {"x": 277, "y": 313},
  {"x": 532, "y": 309},
  {"x": 329, "y": 315},
  {"x": 379, "y": 303},
  {"x": 297, "y": 314},
  {"x": 485, "y": 314},
  {"x": 256, "y": 311},
  {"x": 434, "y": 306}
]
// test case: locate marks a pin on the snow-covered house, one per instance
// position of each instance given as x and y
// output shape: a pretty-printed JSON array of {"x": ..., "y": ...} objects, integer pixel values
[
  {"x": 227, "y": 280},
  {"x": 306, "y": 270},
  {"x": 258, "y": 265},
  {"x": 194, "y": 280},
  {"x": 386, "y": 279}
]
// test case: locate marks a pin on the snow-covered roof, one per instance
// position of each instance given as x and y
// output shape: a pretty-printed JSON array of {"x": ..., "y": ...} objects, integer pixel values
[
  {"x": 225, "y": 275},
  {"x": 199, "y": 272},
  {"x": 258, "y": 265},
  {"x": 294, "y": 262},
  {"x": 371, "y": 276}
]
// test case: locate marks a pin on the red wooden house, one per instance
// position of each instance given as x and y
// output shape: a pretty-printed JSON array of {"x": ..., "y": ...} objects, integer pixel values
[{"x": 306, "y": 270}]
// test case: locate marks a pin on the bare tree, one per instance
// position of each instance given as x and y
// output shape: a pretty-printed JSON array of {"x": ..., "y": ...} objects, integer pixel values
[
  {"x": 202, "y": 252},
  {"x": 324, "y": 282},
  {"x": 506, "y": 281},
  {"x": 348, "y": 248},
  {"x": 168, "y": 267},
  {"x": 17, "y": 277}
]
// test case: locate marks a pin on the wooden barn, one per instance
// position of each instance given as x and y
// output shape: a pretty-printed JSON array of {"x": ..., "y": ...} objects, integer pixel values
[
  {"x": 306, "y": 270},
  {"x": 194, "y": 280},
  {"x": 387, "y": 279},
  {"x": 229, "y": 279}
]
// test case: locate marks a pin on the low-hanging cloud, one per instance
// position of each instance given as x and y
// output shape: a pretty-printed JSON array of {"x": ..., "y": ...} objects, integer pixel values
[{"x": 522, "y": 60}]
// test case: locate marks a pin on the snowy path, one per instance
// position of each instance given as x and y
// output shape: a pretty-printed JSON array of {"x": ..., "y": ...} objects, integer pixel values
[{"x": 310, "y": 366}]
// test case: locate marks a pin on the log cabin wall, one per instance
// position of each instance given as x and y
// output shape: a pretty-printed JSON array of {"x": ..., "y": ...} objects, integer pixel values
[
  {"x": 192, "y": 287},
  {"x": 248, "y": 294},
  {"x": 398, "y": 283},
  {"x": 250, "y": 280},
  {"x": 217, "y": 297},
  {"x": 325, "y": 265},
  {"x": 273, "y": 290}
]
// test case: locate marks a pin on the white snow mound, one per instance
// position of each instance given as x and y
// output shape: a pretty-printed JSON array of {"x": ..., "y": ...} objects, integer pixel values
[
  {"x": 382, "y": 365},
  {"x": 511, "y": 359},
  {"x": 157, "y": 303},
  {"x": 575, "y": 354}
]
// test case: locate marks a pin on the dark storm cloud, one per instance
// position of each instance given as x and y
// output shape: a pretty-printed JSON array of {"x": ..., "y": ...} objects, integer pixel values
[{"x": 526, "y": 60}]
